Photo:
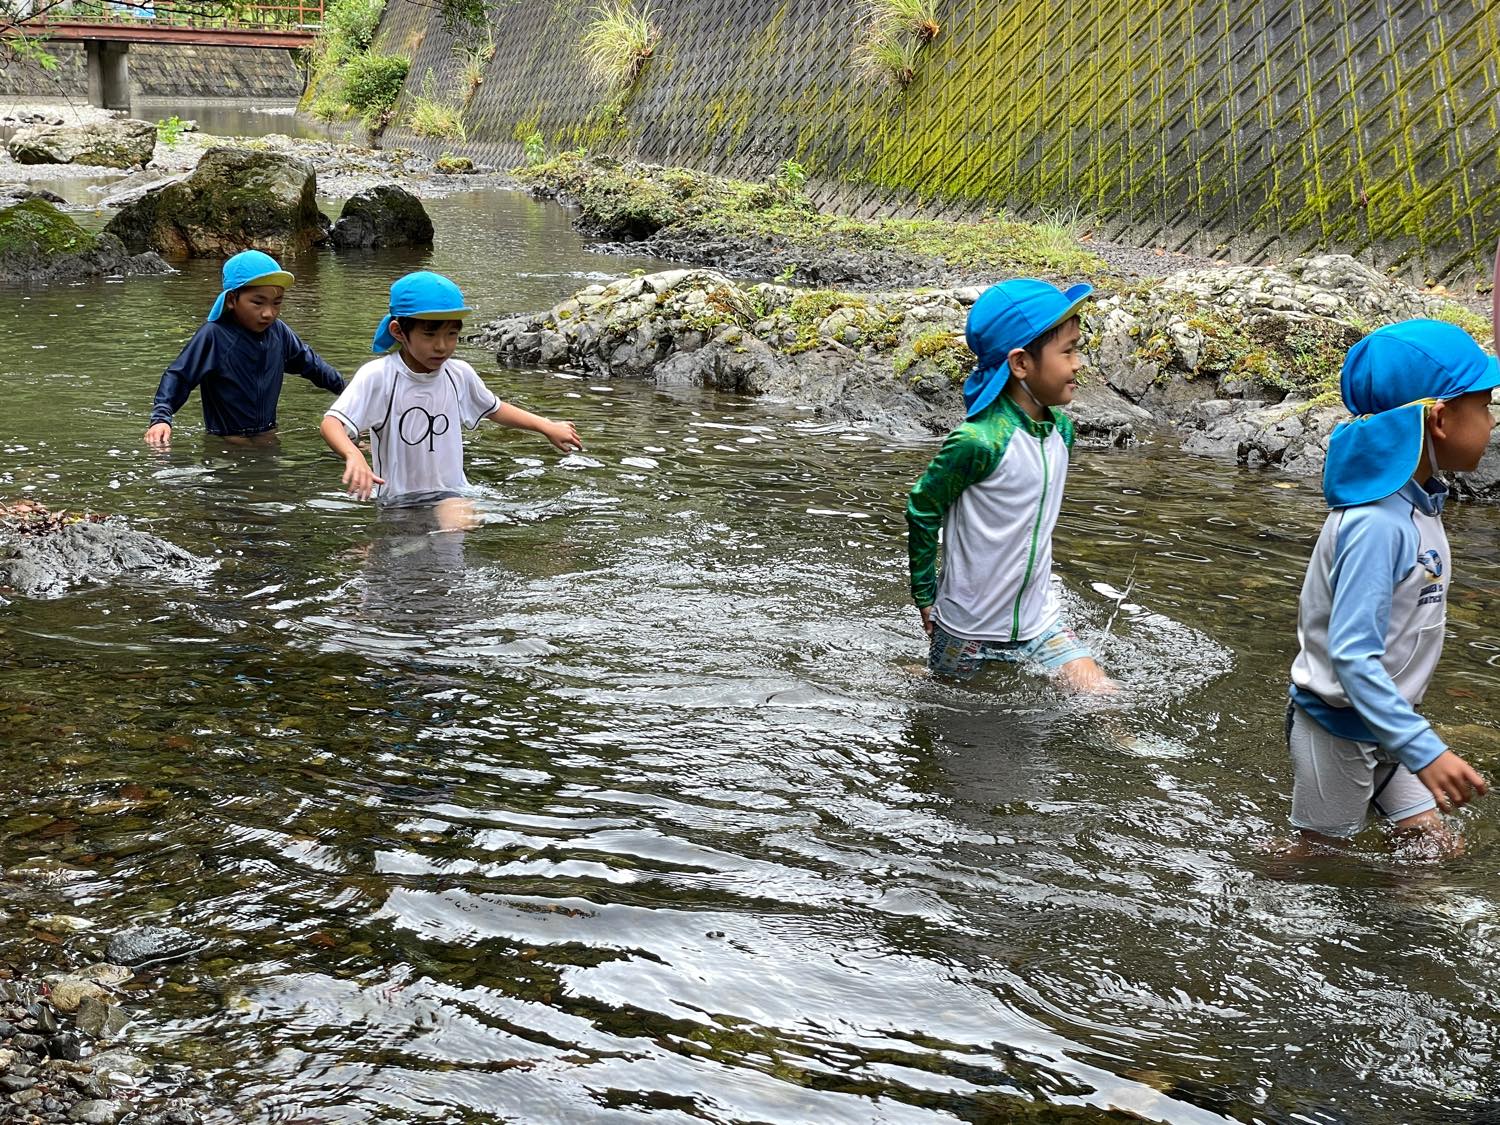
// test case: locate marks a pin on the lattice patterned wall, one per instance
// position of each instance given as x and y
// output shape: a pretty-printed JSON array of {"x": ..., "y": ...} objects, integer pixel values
[{"x": 1269, "y": 127}]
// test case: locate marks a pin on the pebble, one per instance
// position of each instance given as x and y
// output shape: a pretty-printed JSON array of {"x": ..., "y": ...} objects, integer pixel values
[{"x": 99, "y": 1112}]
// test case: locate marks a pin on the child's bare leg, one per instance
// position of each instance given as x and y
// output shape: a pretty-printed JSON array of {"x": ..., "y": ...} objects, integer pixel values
[
  {"x": 1426, "y": 834},
  {"x": 1084, "y": 675}
]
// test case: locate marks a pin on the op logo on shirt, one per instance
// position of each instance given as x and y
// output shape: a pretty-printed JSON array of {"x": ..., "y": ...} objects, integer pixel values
[
  {"x": 1431, "y": 562},
  {"x": 416, "y": 426}
]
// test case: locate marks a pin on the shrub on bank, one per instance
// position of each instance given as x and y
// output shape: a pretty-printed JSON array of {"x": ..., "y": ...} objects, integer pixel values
[{"x": 348, "y": 78}]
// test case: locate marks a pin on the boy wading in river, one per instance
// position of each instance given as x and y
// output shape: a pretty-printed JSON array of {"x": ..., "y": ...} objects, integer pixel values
[
  {"x": 995, "y": 489},
  {"x": 1371, "y": 617},
  {"x": 416, "y": 402},
  {"x": 238, "y": 357}
]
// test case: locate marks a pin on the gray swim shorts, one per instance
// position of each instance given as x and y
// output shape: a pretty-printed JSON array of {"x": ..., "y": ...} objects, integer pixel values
[
  {"x": 1337, "y": 783},
  {"x": 960, "y": 658}
]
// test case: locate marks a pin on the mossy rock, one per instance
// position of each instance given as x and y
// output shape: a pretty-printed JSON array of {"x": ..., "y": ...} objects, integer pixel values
[
  {"x": 235, "y": 199},
  {"x": 35, "y": 233},
  {"x": 105, "y": 144},
  {"x": 384, "y": 215}
]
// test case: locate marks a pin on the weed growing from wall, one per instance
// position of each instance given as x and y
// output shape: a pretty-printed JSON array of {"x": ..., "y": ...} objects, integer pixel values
[
  {"x": 348, "y": 78},
  {"x": 536, "y": 150},
  {"x": 431, "y": 116},
  {"x": 891, "y": 37},
  {"x": 618, "y": 43}
]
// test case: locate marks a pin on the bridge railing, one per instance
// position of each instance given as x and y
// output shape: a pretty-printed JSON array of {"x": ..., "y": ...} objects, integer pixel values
[{"x": 191, "y": 13}]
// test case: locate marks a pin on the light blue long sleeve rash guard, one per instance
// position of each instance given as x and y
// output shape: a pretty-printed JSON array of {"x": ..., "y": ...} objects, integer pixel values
[{"x": 1371, "y": 622}]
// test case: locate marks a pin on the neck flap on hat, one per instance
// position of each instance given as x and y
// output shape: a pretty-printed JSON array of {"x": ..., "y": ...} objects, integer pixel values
[{"x": 1372, "y": 456}]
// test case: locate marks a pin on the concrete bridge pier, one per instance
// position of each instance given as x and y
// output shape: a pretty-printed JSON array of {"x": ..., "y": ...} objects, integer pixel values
[{"x": 109, "y": 74}]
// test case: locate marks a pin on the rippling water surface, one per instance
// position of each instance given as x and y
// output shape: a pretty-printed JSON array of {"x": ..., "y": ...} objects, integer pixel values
[{"x": 634, "y": 803}]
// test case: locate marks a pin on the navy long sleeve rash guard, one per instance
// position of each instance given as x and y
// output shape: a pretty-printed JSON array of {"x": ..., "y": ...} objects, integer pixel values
[{"x": 239, "y": 374}]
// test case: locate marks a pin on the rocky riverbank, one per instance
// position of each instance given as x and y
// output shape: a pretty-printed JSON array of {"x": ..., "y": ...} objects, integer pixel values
[
  {"x": 45, "y": 553},
  {"x": 1243, "y": 361}
]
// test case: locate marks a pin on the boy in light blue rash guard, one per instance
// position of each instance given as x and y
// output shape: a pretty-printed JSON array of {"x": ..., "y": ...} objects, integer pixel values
[
  {"x": 1370, "y": 621},
  {"x": 994, "y": 491}
]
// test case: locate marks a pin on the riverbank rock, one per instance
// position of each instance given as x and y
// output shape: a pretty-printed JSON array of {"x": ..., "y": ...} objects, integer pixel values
[
  {"x": 38, "y": 243},
  {"x": 44, "y": 554},
  {"x": 894, "y": 360},
  {"x": 124, "y": 143},
  {"x": 384, "y": 215},
  {"x": 235, "y": 199}
]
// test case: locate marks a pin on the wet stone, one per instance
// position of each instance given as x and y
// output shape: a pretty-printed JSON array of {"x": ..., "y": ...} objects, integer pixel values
[
  {"x": 149, "y": 945},
  {"x": 15, "y": 1083},
  {"x": 98, "y": 1112}
]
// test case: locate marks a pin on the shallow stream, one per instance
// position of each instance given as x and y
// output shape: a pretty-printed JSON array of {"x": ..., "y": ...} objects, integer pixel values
[{"x": 634, "y": 803}]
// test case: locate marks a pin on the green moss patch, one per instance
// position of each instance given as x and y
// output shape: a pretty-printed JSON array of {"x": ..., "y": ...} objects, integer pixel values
[
  {"x": 636, "y": 201},
  {"x": 34, "y": 230}
]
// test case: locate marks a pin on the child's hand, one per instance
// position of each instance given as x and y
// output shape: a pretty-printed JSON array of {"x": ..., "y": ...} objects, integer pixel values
[
  {"x": 159, "y": 435},
  {"x": 1451, "y": 780},
  {"x": 563, "y": 436},
  {"x": 926, "y": 612},
  {"x": 359, "y": 478}
]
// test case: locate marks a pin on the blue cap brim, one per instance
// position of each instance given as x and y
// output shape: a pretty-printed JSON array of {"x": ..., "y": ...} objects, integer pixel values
[{"x": 277, "y": 277}]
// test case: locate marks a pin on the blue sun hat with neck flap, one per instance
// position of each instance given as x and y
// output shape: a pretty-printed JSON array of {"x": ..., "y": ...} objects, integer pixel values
[
  {"x": 247, "y": 268},
  {"x": 1006, "y": 317},
  {"x": 424, "y": 295},
  {"x": 1389, "y": 380}
]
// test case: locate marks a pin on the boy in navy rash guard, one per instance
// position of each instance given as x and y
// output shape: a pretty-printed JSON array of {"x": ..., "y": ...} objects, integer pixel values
[
  {"x": 1370, "y": 622},
  {"x": 238, "y": 360}
]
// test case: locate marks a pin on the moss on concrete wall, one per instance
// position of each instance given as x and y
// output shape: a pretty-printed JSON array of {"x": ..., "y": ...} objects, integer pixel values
[{"x": 1262, "y": 128}]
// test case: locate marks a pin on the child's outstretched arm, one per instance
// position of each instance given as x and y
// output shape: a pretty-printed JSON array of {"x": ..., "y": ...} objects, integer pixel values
[
  {"x": 1371, "y": 557},
  {"x": 359, "y": 478},
  {"x": 562, "y": 435},
  {"x": 184, "y": 373},
  {"x": 963, "y": 460},
  {"x": 302, "y": 360}
]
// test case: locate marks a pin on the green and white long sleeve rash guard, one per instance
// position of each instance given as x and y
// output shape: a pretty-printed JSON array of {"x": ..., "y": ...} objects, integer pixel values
[{"x": 994, "y": 490}]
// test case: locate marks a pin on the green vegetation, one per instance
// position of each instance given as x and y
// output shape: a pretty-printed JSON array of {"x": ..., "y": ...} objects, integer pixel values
[
  {"x": 618, "y": 42},
  {"x": 790, "y": 178},
  {"x": 1475, "y": 324},
  {"x": 430, "y": 116},
  {"x": 892, "y": 35},
  {"x": 634, "y": 201},
  {"x": 946, "y": 352},
  {"x": 536, "y": 149},
  {"x": 450, "y": 165},
  {"x": 476, "y": 56},
  {"x": 35, "y": 231},
  {"x": 169, "y": 130},
  {"x": 348, "y": 78}
]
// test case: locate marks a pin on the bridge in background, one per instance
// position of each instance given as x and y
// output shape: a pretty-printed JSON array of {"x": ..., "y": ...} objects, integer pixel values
[{"x": 108, "y": 29}]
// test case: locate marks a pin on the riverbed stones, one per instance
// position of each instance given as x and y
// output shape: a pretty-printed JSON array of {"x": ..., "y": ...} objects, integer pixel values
[
  {"x": 381, "y": 216},
  {"x": 235, "y": 199},
  {"x": 122, "y": 143}
]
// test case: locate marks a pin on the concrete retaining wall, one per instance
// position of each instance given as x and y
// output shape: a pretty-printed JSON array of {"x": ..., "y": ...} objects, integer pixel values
[
  {"x": 160, "y": 71},
  {"x": 1269, "y": 128}
]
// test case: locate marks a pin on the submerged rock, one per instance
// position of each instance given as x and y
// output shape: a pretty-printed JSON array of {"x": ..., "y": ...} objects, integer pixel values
[
  {"x": 384, "y": 215},
  {"x": 38, "y": 243},
  {"x": 44, "y": 554},
  {"x": 122, "y": 143},
  {"x": 153, "y": 945},
  {"x": 235, "y": 199}
]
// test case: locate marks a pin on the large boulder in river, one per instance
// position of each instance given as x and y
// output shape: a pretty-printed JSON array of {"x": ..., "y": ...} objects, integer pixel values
[
  {"x": 384, "y": 215},
  {"x": 235, "y": 199},
  {"x": 106, "y": 144},
  {"x": 40, "y": 243}
]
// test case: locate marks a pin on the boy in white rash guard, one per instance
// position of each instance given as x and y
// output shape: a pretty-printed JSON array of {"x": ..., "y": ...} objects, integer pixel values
[
  {"x": 1370, "y": 621},
  {"x": 417, "y": 401},
  {"x": 995, "y": 489}
]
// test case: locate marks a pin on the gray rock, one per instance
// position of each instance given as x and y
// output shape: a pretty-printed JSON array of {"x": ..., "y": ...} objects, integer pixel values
[
  {"x": 152, "y": 945},
  {"x": 1102, "y": 415},
  {"x": 100, "y": 1018},
  {"x": 98, "y": 1112},
  {"x": 49, "y": 564},
  {"x": 108, "y": 144},
  {"x": 384, "y": 215}
]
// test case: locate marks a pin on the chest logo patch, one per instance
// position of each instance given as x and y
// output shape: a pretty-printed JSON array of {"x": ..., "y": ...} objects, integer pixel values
[
  {"x": 1431, "y": 562},
  {"x": 417, "y": 426}
]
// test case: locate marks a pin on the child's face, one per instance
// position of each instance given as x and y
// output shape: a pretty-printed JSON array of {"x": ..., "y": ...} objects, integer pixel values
[
  {"x": 429, "y": 343},
  {"x": 256, "y": 306},
  {"x": 1461, "y": 433},
  {"x": 1052, "y": 380}
]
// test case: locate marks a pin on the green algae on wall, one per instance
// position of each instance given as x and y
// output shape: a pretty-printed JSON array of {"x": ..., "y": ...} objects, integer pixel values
[{"x": 1265, "y": 128}]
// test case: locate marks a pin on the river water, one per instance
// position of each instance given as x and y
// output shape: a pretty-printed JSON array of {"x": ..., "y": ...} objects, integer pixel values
[{"x": 634, "y": 803}]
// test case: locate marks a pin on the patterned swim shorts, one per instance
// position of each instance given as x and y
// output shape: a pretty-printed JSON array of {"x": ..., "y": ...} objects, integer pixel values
[{"x": 961, "y": 659}]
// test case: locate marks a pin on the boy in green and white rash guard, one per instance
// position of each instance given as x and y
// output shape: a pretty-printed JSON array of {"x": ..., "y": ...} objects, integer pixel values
[{"x": 995, "y": 490}]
